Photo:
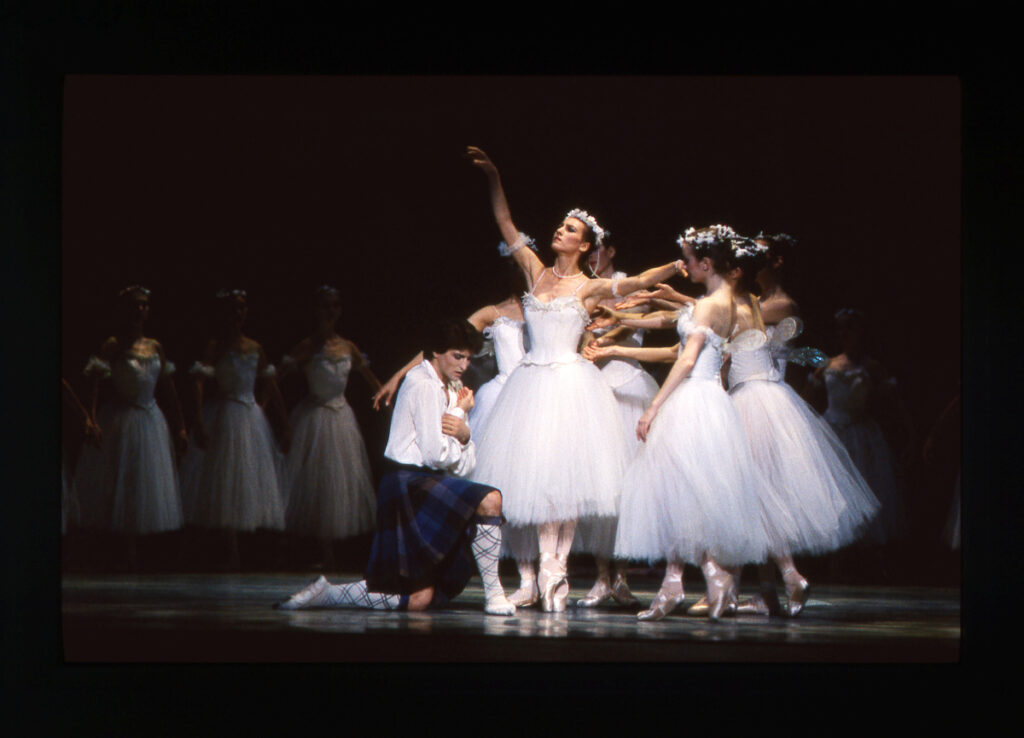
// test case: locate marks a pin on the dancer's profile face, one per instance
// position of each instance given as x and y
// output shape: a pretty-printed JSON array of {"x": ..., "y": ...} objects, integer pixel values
[
  {"x": 601, "y": 257},
  {"x": 692, "y": 264},
  {"x": 569, "y": 238},
  {"x": 327, "y": 310},
  {"x": 235, "y": 310},
  {"x": 452, "y": 363}
]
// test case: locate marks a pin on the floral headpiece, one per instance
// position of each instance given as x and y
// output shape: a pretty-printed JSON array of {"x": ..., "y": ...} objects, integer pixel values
[
  {"x": 776, "y": 238},
  {"x": 231, "y": 293},
  {"x": 707, "y": 236},
  {"x": 505, "y": 250},
  {"x": 743, "y": 247},
  {"x": 134, "y": 288},
  {"x": 599, "y": 232}
]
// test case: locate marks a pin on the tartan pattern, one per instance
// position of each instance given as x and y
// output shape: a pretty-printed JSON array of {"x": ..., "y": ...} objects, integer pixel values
[{"x": 424, "y": 531}]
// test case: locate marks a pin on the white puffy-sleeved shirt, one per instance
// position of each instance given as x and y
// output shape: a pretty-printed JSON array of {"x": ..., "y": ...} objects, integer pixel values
[{"x": 415, "y": 436}]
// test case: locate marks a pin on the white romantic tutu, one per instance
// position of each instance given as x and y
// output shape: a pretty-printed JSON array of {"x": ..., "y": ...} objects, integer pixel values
[
  {"x": 634, "y": 389},
  {"x": 331, "y": 492},
  {"x": 692, "y": 487},
  {"x": 483, "y": 403},
  {"x": 554, "y": 445},
  {"x": 130, "y": 485},
  {"x": 806, "y": 465},
  {"x": 238, "y": 484}
]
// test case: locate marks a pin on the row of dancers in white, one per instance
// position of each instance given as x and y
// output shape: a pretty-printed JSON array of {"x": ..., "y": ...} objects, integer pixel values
[
  {"x": 314, "y": 479},
  {"x": 685, "y": 473}
]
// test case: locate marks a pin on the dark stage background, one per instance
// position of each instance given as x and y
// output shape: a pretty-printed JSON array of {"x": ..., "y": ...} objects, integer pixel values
[{"x": 277, "y": 184}]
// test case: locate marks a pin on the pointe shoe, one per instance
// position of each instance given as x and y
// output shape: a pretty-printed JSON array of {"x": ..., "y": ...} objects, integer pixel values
[
  {"x": 526, "y": 595},
  {"x": 664, "y": 603},
  {"x": 796, "y": 593},
  {"x": 499, "y": 606},
  {"x": 621, "y": 593},
  {"x": 598, "y": 595},
  {"x": 721, "y": 591},
  {"x": 305, "y": 597},
  {"x": 553, "y": 584}
]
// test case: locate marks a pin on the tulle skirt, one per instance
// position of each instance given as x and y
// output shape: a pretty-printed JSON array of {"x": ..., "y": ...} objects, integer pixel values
[
  {"x": 131, "y": 484},
  {"x": 807, "y": 468},
  {"x": 634, "y": 389},
  {"x": 870, "y": 452},
  {"x": 692, "y": 487},
  {"x": 330, "y": 487},
  {"x": 553, "y": 445},
  {"x": 483, "y": 403},
  {"x": 237, "y": 481}
]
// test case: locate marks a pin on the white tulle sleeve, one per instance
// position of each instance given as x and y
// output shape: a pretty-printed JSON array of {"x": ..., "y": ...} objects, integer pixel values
[
  {"x": 269, "y": 371},
  {"x": 167, "y": 368}
]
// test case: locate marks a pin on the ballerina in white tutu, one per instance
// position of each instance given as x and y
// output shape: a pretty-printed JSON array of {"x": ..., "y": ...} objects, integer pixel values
[
  {"x": 803, "y": 462},
  {"x": 240, "y": 477},
  {"x": 330, "y": 487},
  {"x": 693, "y": 493},
  {"x": 131, "y": 485},
  {"x": 547, "y": 444}
]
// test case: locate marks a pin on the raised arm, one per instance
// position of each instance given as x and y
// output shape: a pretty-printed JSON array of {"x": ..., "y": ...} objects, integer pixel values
[{"x": 525, "y": 258}]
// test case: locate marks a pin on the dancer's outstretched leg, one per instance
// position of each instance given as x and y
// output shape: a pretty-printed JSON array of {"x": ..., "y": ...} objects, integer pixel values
[{"x": 322, "y": 594}]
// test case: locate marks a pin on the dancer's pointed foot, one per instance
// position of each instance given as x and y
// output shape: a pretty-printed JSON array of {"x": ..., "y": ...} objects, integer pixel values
[
  {"x": 797, "y": 589},
  {"x": 553, "y": 583},
  {"x": 306, "y": 597},
  {"x": 598, "y": 595},
  {"x": 664, "y": 602},
  {"x": 621, "y": 593},
  {"x": 753, "y": 606},
  {"x": 499, "y": 606}
]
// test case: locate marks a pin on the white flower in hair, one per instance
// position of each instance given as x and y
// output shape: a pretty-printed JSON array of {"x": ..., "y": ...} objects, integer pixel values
[
  {"x": 745, "y": 247},
  {"x": 599, "y": 232}
]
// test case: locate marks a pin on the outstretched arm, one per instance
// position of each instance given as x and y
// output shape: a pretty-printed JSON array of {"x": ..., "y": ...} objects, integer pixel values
[
  {"x": 389, "y": 388},
  {"x": 525, "y": 258},
  {"x": 653, "y": 354},
  {"x": 363, "y": 368},
  {"x": 602, "y": 289}
]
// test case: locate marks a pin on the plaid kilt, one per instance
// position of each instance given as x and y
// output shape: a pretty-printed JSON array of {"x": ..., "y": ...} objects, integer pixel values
[{"x": 424, "y": 531}]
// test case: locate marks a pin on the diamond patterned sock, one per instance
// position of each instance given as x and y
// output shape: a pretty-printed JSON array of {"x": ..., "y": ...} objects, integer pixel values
[
  {"x": 486, "y": 547},
  {"x": 322, "y": 594}
]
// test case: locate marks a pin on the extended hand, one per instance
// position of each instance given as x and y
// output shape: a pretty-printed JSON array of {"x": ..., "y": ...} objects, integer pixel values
[
  {"x": 593, "y": 352},
  {"x": 385, "y": 393},
  {"x": 478, "y": 158},
  {"x": 465, "y": 399},
  {"x": 455, "y": 427}
]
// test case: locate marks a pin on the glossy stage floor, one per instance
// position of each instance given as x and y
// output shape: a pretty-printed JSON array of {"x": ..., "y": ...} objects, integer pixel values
[{"x": 225, "y": 618}]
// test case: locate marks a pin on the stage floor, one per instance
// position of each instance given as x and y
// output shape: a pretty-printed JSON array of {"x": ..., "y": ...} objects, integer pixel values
[{"x": 229, "y": 618}]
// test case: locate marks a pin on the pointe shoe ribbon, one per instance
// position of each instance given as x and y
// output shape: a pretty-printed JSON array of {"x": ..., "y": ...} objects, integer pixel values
[
  {"x": 598, "y": 595},
  {"x": 554, "y": 586},
  {"x": 621, "y": 593}
]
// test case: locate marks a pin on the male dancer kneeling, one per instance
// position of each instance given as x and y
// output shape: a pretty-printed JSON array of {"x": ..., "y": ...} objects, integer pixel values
[{"x": 431, "y": 523}]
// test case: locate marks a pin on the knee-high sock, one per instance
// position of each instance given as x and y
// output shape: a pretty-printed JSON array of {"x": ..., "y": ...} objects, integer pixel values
[
  {"x": 323, "y": 594},
  {"x": 486, "y": 546}
]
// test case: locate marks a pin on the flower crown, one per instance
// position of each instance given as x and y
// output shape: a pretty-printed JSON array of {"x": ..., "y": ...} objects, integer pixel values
[
  {"x": 707, "y": 236},
  {"x": 599, "y": 232},
  {"x": 231, "y": 293},
  {"x": 776, "y": 238},
  {"x": 743, "y": 247}
]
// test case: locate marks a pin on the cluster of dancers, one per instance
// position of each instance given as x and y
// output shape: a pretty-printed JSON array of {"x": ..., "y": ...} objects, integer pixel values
[{"x": 572, "y": 448}]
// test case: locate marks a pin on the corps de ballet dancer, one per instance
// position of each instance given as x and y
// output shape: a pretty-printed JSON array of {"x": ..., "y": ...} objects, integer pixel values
[
  {"x": 567, "y": 455},
  {"x": 799, "y": 456},
  {"x": 433, "y": 525},
  {"x": 237, "y": 478},
  {"x": 131, "y": 486},
  {"x": 329, "y": 482},
  {"x": 691, "y": 494}
]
